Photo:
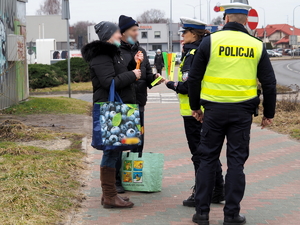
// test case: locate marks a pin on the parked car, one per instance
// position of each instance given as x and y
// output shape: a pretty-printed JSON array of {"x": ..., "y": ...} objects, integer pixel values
[
  {"x": 277, "y": 54},
  {"x": 271, "y": 53},
  {"x": 178, "y": 57},
  {"x": 151, "y": 56},
  {"x": 296, "y": 52},
  {"x": 287, "y": 51},
  {"x": 279, "y": 50}
]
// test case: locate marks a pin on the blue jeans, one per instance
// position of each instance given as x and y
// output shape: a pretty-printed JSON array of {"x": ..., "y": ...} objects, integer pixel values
[{"x": 110, "y": 158}]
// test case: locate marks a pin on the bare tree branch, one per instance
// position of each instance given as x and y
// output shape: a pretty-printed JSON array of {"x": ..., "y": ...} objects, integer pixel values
[
  {"x": 49, "y": 7},
  {"x": 152, "y": 16}
]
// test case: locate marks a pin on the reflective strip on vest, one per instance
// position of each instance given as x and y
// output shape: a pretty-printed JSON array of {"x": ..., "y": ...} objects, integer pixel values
[
  {"x": 231, "y": 75},
  {"x": 185, "y": 109}
]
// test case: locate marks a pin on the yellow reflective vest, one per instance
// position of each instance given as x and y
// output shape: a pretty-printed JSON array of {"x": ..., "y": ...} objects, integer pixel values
[
  {"x": 231, "y": 74},
  {"x": 185, "y": 109}
]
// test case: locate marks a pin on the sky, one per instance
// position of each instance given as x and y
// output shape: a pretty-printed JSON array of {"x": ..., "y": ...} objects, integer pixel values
[{"x": 276, "y": 11}]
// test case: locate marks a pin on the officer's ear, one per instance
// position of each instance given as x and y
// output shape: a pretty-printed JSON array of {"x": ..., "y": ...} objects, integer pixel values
[
  {"x": 246, "y": 22},
  {"x": 226, "y": 19}
]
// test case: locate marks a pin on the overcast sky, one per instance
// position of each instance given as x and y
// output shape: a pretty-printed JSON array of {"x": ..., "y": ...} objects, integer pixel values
[{"x": 277, "y": 11}]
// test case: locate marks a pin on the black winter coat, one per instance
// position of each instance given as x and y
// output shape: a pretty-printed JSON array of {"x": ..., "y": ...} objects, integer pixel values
[
  {"x": 106, "y": 64},
  {"x": 159, "y": 61},
  {"x": 128, "y": 52}
]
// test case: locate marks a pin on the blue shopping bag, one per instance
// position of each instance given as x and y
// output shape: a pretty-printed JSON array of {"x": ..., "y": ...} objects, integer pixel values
[{"x": 116, "y": 126}]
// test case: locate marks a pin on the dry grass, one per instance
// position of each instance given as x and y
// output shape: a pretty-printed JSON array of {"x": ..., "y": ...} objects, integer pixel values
[
  {"x": 74, "y": 87},
  {"x": 38, "y": 186},
  {"x": 283, "y": 89},
  {"x": 13, "y": 130},
  {"x": 287, "y": 118}
]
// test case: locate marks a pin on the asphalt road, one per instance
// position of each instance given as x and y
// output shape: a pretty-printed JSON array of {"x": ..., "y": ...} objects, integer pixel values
[{"x": 287, "y": 71}]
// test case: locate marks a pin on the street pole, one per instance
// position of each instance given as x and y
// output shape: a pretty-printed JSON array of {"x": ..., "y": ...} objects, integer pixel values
[
  {"x": 265, "y": 34},
  {"x": 66, "y": 16},
  {"x": 208, "y": 11},
  {"x": 69, "y": 58},
  {"x": 170, "y": 27},
  {"x": 194, "y": 9},
  {"x": 200, "y": 11},
  {"x": 295, "y": 28}
]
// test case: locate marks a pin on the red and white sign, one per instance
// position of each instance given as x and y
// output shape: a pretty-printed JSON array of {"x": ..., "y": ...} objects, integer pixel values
[{"x": 253, "y": 19}]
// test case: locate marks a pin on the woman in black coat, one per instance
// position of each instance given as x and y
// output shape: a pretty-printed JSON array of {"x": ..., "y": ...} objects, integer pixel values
[
  {"x": 106, "y": 64},
  {"x": 159, "y": 61}
]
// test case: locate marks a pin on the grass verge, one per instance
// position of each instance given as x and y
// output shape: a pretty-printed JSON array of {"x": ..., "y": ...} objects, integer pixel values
[
  {"x": 283, "y": 89},
  {"x": 86, "y": 86},
  {"x": 38, "y": 186},
  {"x": 59, "y": 105},
  {"x": 287, "y": 118}
]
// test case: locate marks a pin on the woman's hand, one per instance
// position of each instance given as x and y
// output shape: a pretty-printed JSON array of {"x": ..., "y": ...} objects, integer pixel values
[
  {"x": 166, "y": 81},
  {"x": 139, "y": 56},
  {"x": 137, "y": 73},
  {"x": 161, "y": 81}
]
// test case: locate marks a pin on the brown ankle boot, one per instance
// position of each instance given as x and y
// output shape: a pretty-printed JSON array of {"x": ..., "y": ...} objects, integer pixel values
[
  {"x": 126, "y": 199},
  {"x": 110, "y": 197}
]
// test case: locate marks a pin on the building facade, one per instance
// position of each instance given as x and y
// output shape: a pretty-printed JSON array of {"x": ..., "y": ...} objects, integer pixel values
[
  {"x": 152, "y": 36},
  {"x": 278, "y": 35},
  {"x": 13, "y": 64}
]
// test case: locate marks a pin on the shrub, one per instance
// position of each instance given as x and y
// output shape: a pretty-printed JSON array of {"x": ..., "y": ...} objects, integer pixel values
[
  {"x": 79, "y": 69},
  {"x": 42, "y": 76}
]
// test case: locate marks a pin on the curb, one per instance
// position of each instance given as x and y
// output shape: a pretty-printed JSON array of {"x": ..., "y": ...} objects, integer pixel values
[
  {"x": 280, "y": 58},
  {"x": 59, "y": 93}
]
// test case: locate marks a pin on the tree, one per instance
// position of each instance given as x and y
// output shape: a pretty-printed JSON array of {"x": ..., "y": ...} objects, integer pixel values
[
  {"x": 152, "y": 16},
  {"x": 79, "y": 32},
  {"x": 217, "y": 21},
  {"x": 49, "y": 7}
]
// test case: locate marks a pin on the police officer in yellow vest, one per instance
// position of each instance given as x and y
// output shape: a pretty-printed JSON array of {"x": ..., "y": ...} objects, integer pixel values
[
  {"x": 192, "y": 32},
  {"x": 223, "y": 79}
]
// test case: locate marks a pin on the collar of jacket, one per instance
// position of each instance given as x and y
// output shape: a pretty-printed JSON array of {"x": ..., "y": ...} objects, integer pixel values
[
  {"x": 188, "y": 47},
  {"x": 97, "y": 48},
  {"x": 236, "y": 27},
  {"x": 128, "y": 46}
]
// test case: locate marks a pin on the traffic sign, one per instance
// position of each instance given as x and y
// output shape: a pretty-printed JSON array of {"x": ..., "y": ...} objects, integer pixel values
[
  {"x": 293, "y": 39},
  {"x": 253, "y": 19}
]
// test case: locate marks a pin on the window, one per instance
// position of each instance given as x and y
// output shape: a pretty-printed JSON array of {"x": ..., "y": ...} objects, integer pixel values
[
  {"x": 156, "y": 34},
  {"x": 144, "y": 35},
  {"x": 155, "y": 47}
]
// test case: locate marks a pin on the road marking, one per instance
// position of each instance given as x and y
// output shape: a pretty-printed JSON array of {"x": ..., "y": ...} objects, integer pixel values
[
  {"x": 162, "y": 98},
  {"x": 289, "y": 68}
]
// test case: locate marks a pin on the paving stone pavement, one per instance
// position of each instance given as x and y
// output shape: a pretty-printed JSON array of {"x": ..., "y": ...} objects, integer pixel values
[{"x": 273, "y": 179}]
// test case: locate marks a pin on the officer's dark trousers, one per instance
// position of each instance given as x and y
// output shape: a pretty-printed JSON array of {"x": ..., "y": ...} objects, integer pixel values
[
  {"x": 235, "y": 125},
  {"x": 192, "y": 131},
  {"x": 138, "y": 149}
]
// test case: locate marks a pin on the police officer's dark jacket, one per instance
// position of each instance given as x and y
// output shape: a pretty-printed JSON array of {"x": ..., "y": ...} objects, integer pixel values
[
  {"x": 140, "y": 87},
  {"x": 265, "y": 75},
  {"x": 182, "y": 87},
  {"x": 106, "y": 64}
]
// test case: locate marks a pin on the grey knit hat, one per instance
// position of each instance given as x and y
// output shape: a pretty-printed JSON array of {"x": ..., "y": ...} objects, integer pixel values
[{"x": 105, "y": 30}]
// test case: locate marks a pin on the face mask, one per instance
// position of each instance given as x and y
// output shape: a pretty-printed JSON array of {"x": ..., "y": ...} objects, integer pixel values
[
  {"x": 117, "y": 43},
  {"x": 130, "y": 41}
]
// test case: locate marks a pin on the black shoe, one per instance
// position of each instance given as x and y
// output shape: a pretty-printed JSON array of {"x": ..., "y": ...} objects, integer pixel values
[
  {"x": 238, "y": 220},
  {"x": 201, "y": 219},
  {"x": 190, "y": 202},
  {"x": 218, "y": 195}
]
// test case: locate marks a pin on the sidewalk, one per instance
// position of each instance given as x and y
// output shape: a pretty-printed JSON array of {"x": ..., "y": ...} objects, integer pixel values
[{"x": 273, "y": 181}]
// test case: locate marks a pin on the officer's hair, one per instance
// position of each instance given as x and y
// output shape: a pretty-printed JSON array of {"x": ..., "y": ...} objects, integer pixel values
[
  {"x": 238, "y": 18},
  {"x": 199, "y": 33}
]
